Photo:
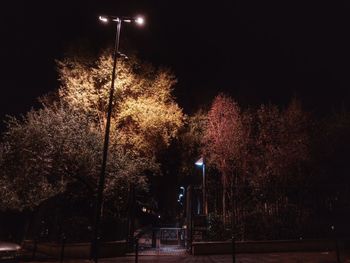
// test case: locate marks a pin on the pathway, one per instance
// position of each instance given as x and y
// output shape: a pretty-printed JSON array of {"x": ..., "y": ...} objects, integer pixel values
[{"x": 296, "y": 257}]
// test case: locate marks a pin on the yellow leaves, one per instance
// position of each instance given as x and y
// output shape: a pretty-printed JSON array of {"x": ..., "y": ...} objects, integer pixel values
[
  {"x": 151, "y": 119},
  {"x": 145, "y": 113}
]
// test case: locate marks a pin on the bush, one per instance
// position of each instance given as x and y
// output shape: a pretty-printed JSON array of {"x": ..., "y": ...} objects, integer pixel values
[
  {"x": 216, "y": 229},
  {"x": 78, "y": 229}
]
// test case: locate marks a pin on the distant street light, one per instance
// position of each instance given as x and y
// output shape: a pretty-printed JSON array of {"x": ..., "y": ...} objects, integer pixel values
[
  {"x": 116, "y": 54},
  {"x": 181, "y": 195},
  {"x": 200, "y": 162}
]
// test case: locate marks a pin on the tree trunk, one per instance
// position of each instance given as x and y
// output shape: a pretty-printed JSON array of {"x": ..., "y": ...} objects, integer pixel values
[
  {"x": 29, "y": 215},
  {"x": 224, "y": 202},
  {"x": 131, "y": 213},
  {"x": 233, "y": 218}
]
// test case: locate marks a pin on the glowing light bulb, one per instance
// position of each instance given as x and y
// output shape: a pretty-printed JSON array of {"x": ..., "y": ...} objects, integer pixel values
[
  {"x": 103, "y": 19},
  {"x": 140, "y": 20}
]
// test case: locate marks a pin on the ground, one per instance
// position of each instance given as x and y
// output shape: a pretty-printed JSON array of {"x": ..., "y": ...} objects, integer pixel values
[{"x": 295, "y": 257}]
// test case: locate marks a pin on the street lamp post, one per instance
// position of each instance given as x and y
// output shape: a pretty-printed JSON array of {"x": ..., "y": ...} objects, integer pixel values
[
  {"x": 200, "y": 162},
  {"x": 118, "y": 20}
]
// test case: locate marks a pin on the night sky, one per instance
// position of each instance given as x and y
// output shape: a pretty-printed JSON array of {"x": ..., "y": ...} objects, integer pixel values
[{"x": 257, "y": 51}]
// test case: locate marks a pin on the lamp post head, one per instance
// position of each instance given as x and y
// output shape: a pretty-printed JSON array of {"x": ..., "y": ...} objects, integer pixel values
[
  {"x": 138, "y": 20},
  {"x": 199, "y": 162},
  {"x": 104, "y": 19}
]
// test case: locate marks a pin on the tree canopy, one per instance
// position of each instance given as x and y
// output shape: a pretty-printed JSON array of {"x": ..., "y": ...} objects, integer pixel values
[
  {"x": 61, "y": 143},
  {"x": 145, "y": 112}
]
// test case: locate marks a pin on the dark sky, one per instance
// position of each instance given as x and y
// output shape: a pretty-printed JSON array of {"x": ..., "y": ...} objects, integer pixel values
[{"x": 257, "y": 51}]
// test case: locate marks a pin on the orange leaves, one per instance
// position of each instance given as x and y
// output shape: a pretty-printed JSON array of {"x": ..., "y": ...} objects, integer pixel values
[{"x": 224, "y": 134}]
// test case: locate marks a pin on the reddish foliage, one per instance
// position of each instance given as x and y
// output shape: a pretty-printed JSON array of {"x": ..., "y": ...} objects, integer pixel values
[{"x": 224, "y": 134}]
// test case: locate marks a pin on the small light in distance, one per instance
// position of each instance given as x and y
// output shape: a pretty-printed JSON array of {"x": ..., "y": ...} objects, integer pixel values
[
  {"x": 158, "y": 216},
  {"x": 140, "y": 20},
  {"x": 103, "y": 19}
]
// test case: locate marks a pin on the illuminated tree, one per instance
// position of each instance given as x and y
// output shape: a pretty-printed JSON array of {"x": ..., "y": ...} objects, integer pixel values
[
  {"x": 62, "y": 142},
  {"x": 264, "y": 152},
  {"x": 223, "y": 140},
  {"x": 145, "y": 116},
  {"x": 145, "y": 113},
  {"x": 42, "y": 152},
  {"x": 56, "y": 146}
]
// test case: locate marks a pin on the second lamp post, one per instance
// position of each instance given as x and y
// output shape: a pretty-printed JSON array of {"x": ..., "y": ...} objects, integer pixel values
[
  {"x": 200, "y": 162},
  {"x": 99, "y": 199}
]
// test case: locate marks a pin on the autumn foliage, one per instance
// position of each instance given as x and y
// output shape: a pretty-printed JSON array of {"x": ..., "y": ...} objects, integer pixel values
[
  {"x": 258, "y": 153},
  {"x": 60, "y": 145}
]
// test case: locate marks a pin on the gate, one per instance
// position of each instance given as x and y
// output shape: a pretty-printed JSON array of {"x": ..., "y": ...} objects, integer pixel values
[
  {"x": 163, "y": 241},
  {"x": 172, "y": 237}
]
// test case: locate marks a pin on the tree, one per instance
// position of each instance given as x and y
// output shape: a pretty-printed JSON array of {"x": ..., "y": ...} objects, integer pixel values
[
  {"x": 331, "y": 145},
  {"x": 191, "y": 141},
  {"x": 62, "y": 142},
  {"x": 53, "y": 147},
  {"x": 282, "y": 143},
  {"x": 280, "y": 162},
  {"x": 145, "y": 116},
  {"x": 145, "y": 113},
  {"x": 263, "y": 154},
  {"x": 42, "y": 152},
  {"x": 223, "y": 140},
  {"x": 330, "y": 170}
]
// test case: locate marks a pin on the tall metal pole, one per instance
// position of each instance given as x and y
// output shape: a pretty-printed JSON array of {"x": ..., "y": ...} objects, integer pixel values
[
  {"x": 205, "y": 204},
  {"x": 95, "y": 242},
  {"x": 233, "y": 220}
]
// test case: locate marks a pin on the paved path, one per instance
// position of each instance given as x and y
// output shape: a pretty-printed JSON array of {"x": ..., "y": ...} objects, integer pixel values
[
  {"x": 165, "y": 251},
  {"x": 300, "y": 257}
]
